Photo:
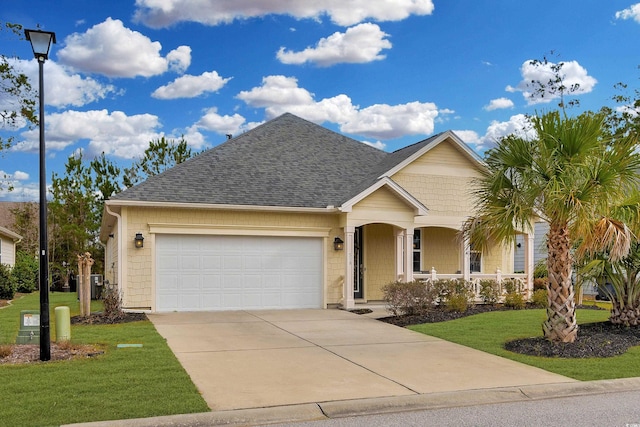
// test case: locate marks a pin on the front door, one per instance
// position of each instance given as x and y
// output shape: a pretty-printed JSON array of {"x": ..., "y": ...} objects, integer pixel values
[{"x": 358, "y": 265}]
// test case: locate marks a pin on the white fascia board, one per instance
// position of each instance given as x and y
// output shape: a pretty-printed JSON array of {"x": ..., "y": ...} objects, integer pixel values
[
  {"x": 135, "y": 203},
  {"x": 14, "y": 236},
  {"x": 392, "y": 185}
]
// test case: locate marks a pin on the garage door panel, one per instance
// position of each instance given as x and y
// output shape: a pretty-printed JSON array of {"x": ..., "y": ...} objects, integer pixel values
[{"x": 237, "y": 272}]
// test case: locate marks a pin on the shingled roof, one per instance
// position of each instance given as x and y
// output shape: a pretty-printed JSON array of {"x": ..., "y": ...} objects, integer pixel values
[{"x": 286, "y": 162}]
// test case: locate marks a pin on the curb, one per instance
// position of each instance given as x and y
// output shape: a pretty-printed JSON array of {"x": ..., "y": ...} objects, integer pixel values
[{"x": 380, "y": 405}]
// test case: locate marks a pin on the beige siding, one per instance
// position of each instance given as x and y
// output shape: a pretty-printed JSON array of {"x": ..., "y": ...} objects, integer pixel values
[
  {"x": 140, "y": 265},
  {"x": 381, "y": 206},
  {"x": 8, "y": 251},
  {"x": 111, "y": 259},
  {"x": 440, "y": 179},
  {"x": 440, "y": 250},
  {"x": 379, "y": 259}
]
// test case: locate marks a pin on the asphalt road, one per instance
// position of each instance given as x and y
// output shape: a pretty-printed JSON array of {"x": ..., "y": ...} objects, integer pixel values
[{"x": 621, "y": 409}]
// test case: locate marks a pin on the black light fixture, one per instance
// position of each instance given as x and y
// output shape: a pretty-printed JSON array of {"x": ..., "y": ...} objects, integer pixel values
[
  {"x": 138, "y": 241},
  {"x": 41, "y": 43},
  {"x": 338, "y": 244}
]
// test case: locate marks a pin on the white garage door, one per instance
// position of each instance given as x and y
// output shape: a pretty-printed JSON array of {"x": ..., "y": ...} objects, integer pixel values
[{"x": 237, "y": 272}]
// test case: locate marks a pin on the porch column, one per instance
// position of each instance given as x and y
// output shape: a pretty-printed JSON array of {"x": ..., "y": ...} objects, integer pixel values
[
  {"x": 466, "y": 260},
  {"x": 399, "y": 253},
  {"x": 529, "y": 264},
  {"x": 347, "y": 298},
  {"x": 408, "y": 254}
]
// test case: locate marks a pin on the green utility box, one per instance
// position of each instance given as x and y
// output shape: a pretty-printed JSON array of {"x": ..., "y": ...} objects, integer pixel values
[{"x": 29, "y": 332}]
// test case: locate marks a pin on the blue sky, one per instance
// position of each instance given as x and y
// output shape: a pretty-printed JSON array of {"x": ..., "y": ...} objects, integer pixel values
[{"x": 385, "y": 72}]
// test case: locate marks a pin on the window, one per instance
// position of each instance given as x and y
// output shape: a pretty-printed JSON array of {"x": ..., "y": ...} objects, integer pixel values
[
  {"x": 475, "y": 260},
  {"x": 417, "y": 253}
]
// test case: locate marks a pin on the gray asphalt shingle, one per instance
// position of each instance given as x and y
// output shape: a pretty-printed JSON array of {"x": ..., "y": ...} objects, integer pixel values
[{"x": 286, "y": 162}]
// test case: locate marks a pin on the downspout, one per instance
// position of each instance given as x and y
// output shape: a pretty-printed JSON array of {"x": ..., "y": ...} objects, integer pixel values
[{"x": 120, "y": 238}]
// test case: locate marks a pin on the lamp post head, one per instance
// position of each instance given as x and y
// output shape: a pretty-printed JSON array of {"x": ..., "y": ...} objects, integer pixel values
[{"x": 40, "y": 42}]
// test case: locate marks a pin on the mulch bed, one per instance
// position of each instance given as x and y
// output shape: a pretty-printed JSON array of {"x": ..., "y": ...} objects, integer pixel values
[
  {"x": 601, "y": 339},
  {"x": 102, "y": 319}
]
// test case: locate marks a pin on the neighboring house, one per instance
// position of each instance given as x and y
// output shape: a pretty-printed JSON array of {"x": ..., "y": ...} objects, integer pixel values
[
  {"x": 293, "y": 215},
  {"x": 8, "y": 240},
  {"x": 540, "y": 246}
]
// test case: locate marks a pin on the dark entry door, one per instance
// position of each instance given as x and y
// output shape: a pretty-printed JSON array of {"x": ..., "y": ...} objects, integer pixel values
[{"x": 358, "y": 264}]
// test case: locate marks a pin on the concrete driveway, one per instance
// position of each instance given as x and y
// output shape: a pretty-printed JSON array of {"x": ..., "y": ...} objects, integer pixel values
[{"x": 256, "y": 359}]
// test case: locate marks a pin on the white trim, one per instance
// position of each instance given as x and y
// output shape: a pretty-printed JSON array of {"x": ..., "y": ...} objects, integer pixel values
[
  {"x": 392, "y": 185},
  {"x": 14, "y": 236},
  {"x": 141, "y": 204},
  {"x": 439, "y": 139},
  {"x": 238, "y": 230}
]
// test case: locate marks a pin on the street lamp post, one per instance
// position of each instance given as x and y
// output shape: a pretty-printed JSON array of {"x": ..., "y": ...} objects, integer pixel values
[{"x": 40, "y": 43}]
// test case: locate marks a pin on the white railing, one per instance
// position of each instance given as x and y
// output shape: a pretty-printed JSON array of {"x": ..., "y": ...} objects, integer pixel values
[{"x": 475, "y": 278}]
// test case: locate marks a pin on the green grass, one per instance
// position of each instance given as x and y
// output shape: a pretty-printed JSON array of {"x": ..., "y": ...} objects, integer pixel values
[
  {"x": 122, "y": 383},
  {"x": 489, "y": 331}
]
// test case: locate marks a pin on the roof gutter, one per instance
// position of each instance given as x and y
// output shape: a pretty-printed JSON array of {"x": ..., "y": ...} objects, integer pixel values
[{"x": 180, "y": 205}]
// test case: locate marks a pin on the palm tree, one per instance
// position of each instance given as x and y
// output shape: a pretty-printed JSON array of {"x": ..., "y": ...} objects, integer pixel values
[{"x": 576, "y": 177}]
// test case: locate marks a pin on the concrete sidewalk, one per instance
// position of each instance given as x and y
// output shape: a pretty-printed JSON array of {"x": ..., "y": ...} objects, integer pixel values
[{"x": 262, "y": 367}]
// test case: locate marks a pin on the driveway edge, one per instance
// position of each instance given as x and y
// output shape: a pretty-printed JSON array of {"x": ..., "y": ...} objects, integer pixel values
[{"x": 372, "y": 406}]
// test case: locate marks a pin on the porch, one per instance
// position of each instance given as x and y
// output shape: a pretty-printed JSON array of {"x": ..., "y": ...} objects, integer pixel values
[{"x": 376, "y": 254}]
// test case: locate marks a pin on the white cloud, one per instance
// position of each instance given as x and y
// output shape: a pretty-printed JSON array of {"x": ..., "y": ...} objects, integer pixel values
[
  {"x": 191, "y": 86},
  {"x": 632, "y": 12},
  {"x": 572, "y": 73},
  {"x": 393, "y": 121},
  {"x": 360, "y": 44},
  {"x": 62, "y": 87},
  {"x": 21, "y": 190},
  {"x": 111, "y": 49},
  {"x": 498, "y": 103},
  {"x": 164, "y": 13},
  {"x": 378, "y": 144},
  {"x": 223, "y": 125},
  {"x": 518, "y": 125},
  {"x": 470, "y": 137},
  {"x": 113, "y": 133},
  {"x": 280, "y": 94},
  {"x": 179, "y": 59}
]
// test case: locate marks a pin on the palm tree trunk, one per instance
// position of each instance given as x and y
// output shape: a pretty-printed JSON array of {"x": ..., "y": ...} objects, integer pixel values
[
  {"x": 560, "y": 325},
  {"x": 624, "y": 314}
]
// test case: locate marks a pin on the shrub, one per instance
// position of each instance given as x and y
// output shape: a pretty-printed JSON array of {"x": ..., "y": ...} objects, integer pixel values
[
  {"x": 409, "y": 298},
  {"x": 7, "y": 288},
  {"x": 112, "y": 303},
  {"x": 540, "y": 283},
  {"x": 455, "y": 294},
  {"x": 540, "y": 269},
  {"x": 489, "y": 291},
  {"x": 539, "y": 298},
  {"x": 25, "y": 273},
  {"x": 513, "y": 297}
]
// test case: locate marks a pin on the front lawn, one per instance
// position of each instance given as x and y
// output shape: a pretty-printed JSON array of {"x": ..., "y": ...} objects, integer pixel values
[
  {"x": 489, "y": 331},
  {"x": 119, "y": 384}
]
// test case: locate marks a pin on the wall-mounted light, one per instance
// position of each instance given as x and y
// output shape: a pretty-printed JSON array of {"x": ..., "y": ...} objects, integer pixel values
[
  {"x": 519, "y": 245},
  {"x": 338, "y": 244},
  {"x": 111, "y": 235},
  {"x": 138, "y": 241}
]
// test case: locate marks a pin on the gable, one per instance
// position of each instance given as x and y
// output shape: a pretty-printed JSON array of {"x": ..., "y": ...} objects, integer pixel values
[
  {"x": 444, "y": 159},
  {"x": 441, "y": 179},
  {"x": 383, "y": 205}
]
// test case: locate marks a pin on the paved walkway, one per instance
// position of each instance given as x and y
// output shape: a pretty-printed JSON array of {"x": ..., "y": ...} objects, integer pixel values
[{"x": 257, "y": 359}]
